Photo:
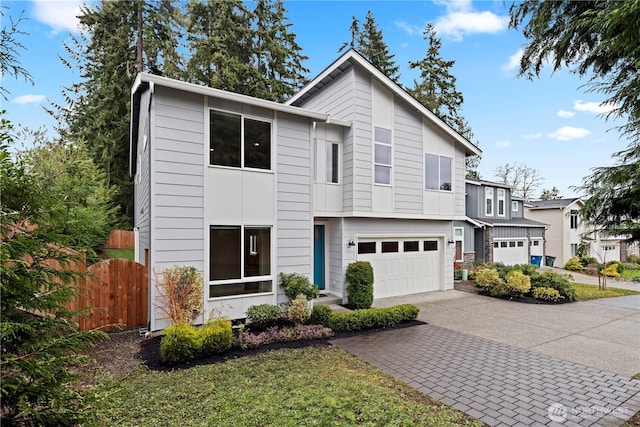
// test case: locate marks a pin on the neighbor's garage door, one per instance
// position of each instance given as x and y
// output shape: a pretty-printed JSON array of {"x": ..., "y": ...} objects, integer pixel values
[
  {"x": 403, "y": 266},
  {"x": 510, "y": 252}
]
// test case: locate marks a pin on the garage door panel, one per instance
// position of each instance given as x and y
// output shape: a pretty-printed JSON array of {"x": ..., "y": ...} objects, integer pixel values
[{"x": 404, "y": 273}]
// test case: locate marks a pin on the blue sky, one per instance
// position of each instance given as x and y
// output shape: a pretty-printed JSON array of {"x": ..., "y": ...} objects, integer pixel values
[{"x": 551, "y": 124}]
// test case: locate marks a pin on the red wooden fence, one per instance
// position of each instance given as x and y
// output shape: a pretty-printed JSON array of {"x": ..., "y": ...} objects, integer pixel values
[
  {"x": 117, "y": 289},
  {"x": 121, "y": 239}
]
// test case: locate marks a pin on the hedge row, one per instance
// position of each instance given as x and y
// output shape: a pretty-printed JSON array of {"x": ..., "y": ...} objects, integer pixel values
[{"x": 358, "y": 320}]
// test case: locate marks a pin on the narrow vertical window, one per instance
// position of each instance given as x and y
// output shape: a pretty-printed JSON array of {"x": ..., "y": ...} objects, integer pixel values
[
  {"x": 501, "y": 201},
  {"x": 333, "y": 158},
  {"x": 431, "y": 172},
  {"x": 382, "y": 156},
  {"x": 574, "y": 219},
  {"x": 488, "y": 196},
  {"x": 445, "y": 173}
]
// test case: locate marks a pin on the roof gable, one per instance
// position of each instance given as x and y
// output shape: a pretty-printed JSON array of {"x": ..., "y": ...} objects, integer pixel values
[
  {"x": 351, "y": 57},
  {"x": 555, "y": 203}
]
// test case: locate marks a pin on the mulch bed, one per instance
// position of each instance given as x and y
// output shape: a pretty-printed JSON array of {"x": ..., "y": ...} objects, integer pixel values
[
  {"x": 470, "y": 287},
  {"x": 150, "y": 349}
]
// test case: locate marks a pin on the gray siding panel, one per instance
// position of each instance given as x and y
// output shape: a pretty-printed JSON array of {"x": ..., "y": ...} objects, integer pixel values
[
  {"x": 336, "y": 98},
  {"x": 293, "y": 188},
  {"x": 458, "y": 180},
  {"x": 142, "y": 207},
  {"x": 509, "y": 232},
  {"x": 362, "y": 142},
  {"x": 407, "y": 151}
]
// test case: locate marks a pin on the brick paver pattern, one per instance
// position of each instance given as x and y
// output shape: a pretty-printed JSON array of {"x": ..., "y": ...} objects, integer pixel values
[{"x": 497, "y": 383}]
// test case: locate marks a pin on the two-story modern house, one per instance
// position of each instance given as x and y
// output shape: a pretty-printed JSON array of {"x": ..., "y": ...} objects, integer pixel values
[
  {"x": 351, "y": 168},
  {"x": 496, "y": 227},
  {"x": 567, "y": 231}
]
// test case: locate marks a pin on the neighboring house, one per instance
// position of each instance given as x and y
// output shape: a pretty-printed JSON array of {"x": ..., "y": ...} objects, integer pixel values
[
  {"x": 496, "y": 229},
  {"x": 351, "y": 168},
  {"x": 567, "y": 231}
]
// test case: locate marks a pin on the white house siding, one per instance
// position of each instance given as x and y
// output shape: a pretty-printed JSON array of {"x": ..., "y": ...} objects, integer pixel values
[
  {"x": 362, "y": 142},
  {"x": 438, "y": 203},
  {"x": 293, "y": 197},
  {"x": 355, "y": 228},
  {"x": 459, "y": 186},
  {"x": 177, "y": 178},
  {"x": 408, "y": 164},
  {"x": 142, "y": 202}
]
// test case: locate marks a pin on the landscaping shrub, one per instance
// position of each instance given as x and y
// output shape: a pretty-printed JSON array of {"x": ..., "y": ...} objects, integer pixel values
[
  {"x": 573, "y": 264},
  {"x": 634, "y": 258},
  {"x": 547, "y": 294},
  {"x": 618, "y": 264},
  {"x": 320, "y": 315},
  {"x": 298, "y": 310},
  {"x": 372, "y": 318},
  {"x": 611, "y": 271},
  {"x": 586, "y": 260},
  {"x": 527, "y": 269},
  {"x": 487, "y": 278},
  {"x": 247, "y": 340},
  {"x": 559, "y": 282},
  {"x": 518, "y": 283},
  {"x": 636, "y": 278},
  {"x": 457, "y": 274},
  {"x": 215, "y": 337},
  {"x": 359, "y": 278},
  {"x": 264, "y": 315},
  {"x": 179, "y": 343},
  {"x": 630, "y": 266},
  {"x": 180, "y": 293},
  {"x": 295, "y": 284}
]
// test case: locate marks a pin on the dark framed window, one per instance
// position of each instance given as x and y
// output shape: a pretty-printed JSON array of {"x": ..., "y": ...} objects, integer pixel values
[
  {"x": 574, "y": 219},
  {"x": 233, "y": 138},
  {"x": 366, "y": 247},
  {"x": 430, "y": 245},
  {"x": 512, "y": 244},
  {"x": 236, "y": 255},
  {"x": 496, "y": 244},
  {"x": 520, "y": 244},
  {"x": 390, "y": 247},
  {"x": 333, "y": 162},
  {"x": 536, "y": 243},
  {"x": 503, "y": 244},
  {"x": 412, "y": 246}
]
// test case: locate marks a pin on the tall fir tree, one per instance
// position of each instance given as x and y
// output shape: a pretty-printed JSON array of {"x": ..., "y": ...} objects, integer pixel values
[
  {"x": 278, "y": 57},
  {"x": 105, "y": 54},
  {"x": 437, "y": 91},
  {"x": 369, "y": 42}
]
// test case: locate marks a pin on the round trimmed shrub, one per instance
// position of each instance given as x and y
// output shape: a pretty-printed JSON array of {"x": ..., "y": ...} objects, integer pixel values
[
  {"x": 573, "y": 264},
  {"x": 611, "y": 271},
  {"x": 547, "y": 294},
  {"x": 215, "y": 337},
  {"x": 487, "y": 278},
  {"x": 295, "y": 284},
  {"x": 264, "y": 315},
  {"x": 298, "y": 310},
  {"x": 518, "y": 283},
  {"x": 359, "y": 277},
  {"x": 559, "y": 282},
  {"x": 179, "y": 343},
  {"x": 320, "y": 315}
]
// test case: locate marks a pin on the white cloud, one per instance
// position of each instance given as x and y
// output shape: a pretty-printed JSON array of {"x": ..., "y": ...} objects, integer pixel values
[
  {"x": 29, "y": 99},
  {"x": 503, "y": 144},
  {"x": 461, "y": 19},
  {"x": 566, "y": 114},
  {"x": 593, "y": 107},
  {"x": 514, "y": 62},
  {"x": 567, "y": 133},
  {"x": 59, "y": 15},
  {"x": 532, "y": 135},
  {"x": 408, "y": 28}
]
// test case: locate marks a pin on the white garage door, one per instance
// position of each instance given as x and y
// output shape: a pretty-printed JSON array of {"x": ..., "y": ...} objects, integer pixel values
[
  {"x": 510, "y": 252},
  {"x": 403, "y": 266}
]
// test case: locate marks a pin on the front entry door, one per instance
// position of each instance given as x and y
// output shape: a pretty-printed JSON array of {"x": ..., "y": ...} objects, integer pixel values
[{"x": 318, "y": 255}]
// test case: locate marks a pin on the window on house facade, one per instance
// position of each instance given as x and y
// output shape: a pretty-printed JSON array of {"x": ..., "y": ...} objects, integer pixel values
[
  {"x": 437, "y": 172},
  {"x": 514, "y": 206},
  {"x": 458, "y": 237},
  {"x": 382, "y": 156},
  {"x": 430, "y": 245},
  {"x": 333, "y": 162},
  {"x": 412, "y": 246},
  {"x": 238, "y": 141},
  {"x": 390, "y": 247},
  {"x": 574, "y": 219},
  {"x": 501, "y": 201},
  {"x": 488, "y": 201},
  {"x": 239, "y": 260},
  {"x": 574, "y": 249},
  {"x": 366, "y": 247}
]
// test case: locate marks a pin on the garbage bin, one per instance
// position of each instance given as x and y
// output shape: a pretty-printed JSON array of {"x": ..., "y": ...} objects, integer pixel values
[
  {"x": 536, "y": 260},
  {"x": 465, "y": 274},
  {"x": 549, "y": 260}
]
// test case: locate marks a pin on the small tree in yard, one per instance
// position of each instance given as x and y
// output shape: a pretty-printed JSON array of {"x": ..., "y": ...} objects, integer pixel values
[
  {"x": 180, "y": 294},
  {"x": 39, "y": 341},
  {"x": 360, "y": 284}
]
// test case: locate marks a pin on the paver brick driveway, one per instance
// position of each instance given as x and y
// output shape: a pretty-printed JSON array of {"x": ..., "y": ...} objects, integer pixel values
[{"x": 497, "y": 382}]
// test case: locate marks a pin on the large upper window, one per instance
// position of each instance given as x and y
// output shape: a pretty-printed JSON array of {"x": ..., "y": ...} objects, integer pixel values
[
  {"x": 574, "y": 219},
  {"x": 501, "y": 201},
  {"x": 437, "y": 172},
  {"x": 488, "y": 199},
  {"x": 382, "y": 156},
  {"x": 237, "y": 141},
  {"x": 239, "y": 260}
]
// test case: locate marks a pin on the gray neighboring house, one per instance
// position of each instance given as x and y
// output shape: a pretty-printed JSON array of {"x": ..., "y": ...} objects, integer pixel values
[
  {"x": 351, "y": 168},
  {"x": 496, "y": 229}
]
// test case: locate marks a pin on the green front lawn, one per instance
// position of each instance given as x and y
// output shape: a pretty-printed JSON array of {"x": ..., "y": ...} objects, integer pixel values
[
  {"x": 630, "y": 274},
  {"x": 121, "y": 253},
  {"x": 586, "y": 292},
  {"x": 312, "y": 386}
]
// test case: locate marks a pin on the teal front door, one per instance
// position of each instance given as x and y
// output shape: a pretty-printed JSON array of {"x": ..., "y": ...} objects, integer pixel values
[{"x": 318, "y": 255}]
